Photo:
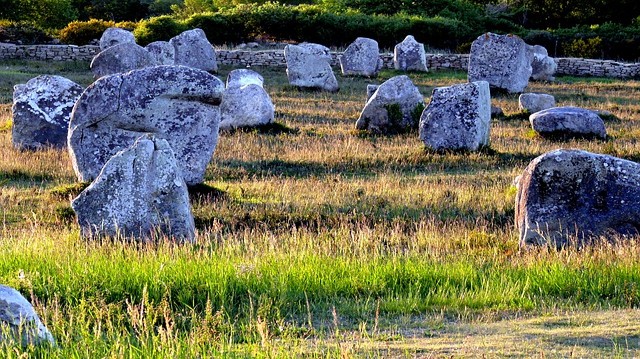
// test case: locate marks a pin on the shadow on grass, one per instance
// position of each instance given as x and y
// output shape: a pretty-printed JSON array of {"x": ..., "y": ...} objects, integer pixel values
[
  {"x": 12, "y": 176},
  {"x": 273, "y": 128},
  {"x": 596, "y": 341}
]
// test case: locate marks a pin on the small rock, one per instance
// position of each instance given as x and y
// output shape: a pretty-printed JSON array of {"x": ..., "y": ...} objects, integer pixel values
[
  {"x": 243, "y": 77},
  {"x": 543, "y": 67},
  {"x": 568, "y": 121},
  {"x": 534, "y": 102}
]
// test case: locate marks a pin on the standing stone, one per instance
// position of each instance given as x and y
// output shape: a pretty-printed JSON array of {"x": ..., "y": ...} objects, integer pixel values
[
  {"x": 121, "y": 58},
  {"x": 162, "y": 51},
  {"x": 192, "y": 49},
  {"x": 114, "y": 36},
  {"x": 242, "y": 77},
  {"x": 534, "y": 102},
  {"x": 409, "y": 55},
  {"x": 22, "y": 321},
  {"x": 457, "y": 118},
  {"x": 41, "y": 111},
  {"x": 361, "y": 58},
  {"x": 543, "y": 66},
  {"x": 176, "y": 103},
  {"x": 395, "y": 106},
  {"x": 502, "y": 60},
  {"x": 309, "y": 66},
  {"x": 573, "y": 194},
  {"x": 139, "y": 193},
  {"x": 568, "y": 121},
  {"x": 246, "y": 106}
]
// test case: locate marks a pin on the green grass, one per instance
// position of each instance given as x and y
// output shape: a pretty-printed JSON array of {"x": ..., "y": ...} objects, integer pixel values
[{"x": 317, "y": 240}]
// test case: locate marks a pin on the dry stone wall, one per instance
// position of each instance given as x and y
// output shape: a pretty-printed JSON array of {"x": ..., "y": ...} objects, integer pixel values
[{"x": 275, "y": 58}]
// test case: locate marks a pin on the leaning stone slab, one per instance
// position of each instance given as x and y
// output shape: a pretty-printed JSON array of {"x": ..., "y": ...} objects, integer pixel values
[
  {"x": 504, "y": 61},
  {"x": 243, "y": 77},
  {"x": 409, "y": 55},
  {"x": 534, "y": 102},
  {"x": 543, "y": 66},
  {"x": 139, "y": 193},
  {"x": 176, "y": 103},
  {"x": 394, "y": 106},
  {"x": 568, "y": 121},
  {"x": 121, "y": 58},
  {"x": 114, "y": 36},
  {"x": 21, "y": 321},
  {"x": 457, "y": 118},
  {"x": 41, "y": 112},
  {"x": 162, "y": 51},
  {"x": 246, "y": 106},
  {"x": 573, "y": 195},
  {"x": 192, "y": 49},
  {"x": 309, "y": 66},
  {"x": 361, "y": 58}
]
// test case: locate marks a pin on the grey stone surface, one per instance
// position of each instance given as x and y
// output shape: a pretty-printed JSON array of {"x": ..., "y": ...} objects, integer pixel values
[
  {"x": 361, "y": 58},
  {"x": 395, "y": 106},
  {"x": 41, "y": 111},
  {"x": 457, "y": 118},
  {"x": 24, "y": 325},
  {"x": 568, "y": 121},
  {"x": 409, "y": 55},
  {"x": 162, "y": 51},
  {"x": 192, "y": 49},
  {"x": 139, "y": 193},
  {"x": 176, "y": 103},
  {"x": 246, "y": 106},
  {"x": 242, "y": 77},
  {"x": 534, "y": 102},
  {"x": 543, "y": 67},
  {"x": 371, "y": 89},
  {"x": 308, "y": 66},
  {"x": 114, "y": 36},
  {"x": 504, "y": 61},
  {"x": 576, "y": 195},
  {"x": 121, "y": 58}
]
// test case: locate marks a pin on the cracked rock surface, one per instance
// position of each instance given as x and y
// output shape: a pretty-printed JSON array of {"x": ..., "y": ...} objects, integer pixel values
[{"x": 192, "y": 49}]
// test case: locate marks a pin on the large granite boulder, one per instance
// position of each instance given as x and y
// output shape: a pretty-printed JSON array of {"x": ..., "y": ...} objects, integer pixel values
[
  {"x": 41, "y": 111},
  {"x": 121, "y": 58},
  {"x": 361, "y": 58},
  {"x": 20, "y": 320},
  {"x": 394, "y": 106},
  {"x": 534, "y": 102},
  {"x": 543, "y": 67},
  {"x": 114, "y": 36},
  {"x": 245, "y": 103},
  {"x": 162, "y": 51},
  {"x": 176, "y": 103},
  {"x": 457, "y": 118},
  {"x": 309, "y": 66},
  {"x": 192, "y": 49},
  {"x": 242, "y": 77},
  {"x": 504, "y": 61},
  {"x": 409, "y": 55},
  {"x": 139, "y": 193},
  {"x": 568, "y": 122},
  {"x": 567, "y": 195}
]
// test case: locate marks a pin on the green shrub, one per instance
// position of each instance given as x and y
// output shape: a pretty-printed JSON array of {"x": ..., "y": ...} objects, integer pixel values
[
  {"x": 82, "y": 32},
  {"x": 22, "y": 33},
  {"x": 589, "y": 48},
  {"x": 220, "y": 29},
  {"x": 158, "y": 28}
]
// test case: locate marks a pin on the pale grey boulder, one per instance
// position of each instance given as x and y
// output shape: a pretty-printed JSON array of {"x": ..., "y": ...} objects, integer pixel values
[
  {"x": 246, "y": 106},
  {"x": 176, "y": 103},
  {"x": 309, "y": 66},
  {"x": 21, "y": 321},
  {"x": 409, "y": 55},
  {"x": 394, "y": 106},
  {"x": 162, "y": 51},
  {"x": 573, "y": 195},
  {"x": 42, "y": 110},
  {"x": 568, "y": 121},
  {"x": 504, "y": 61},
  {"x": 192, "y": 49},
  {"x": 243, "y": 77},
  {"x": 534, "y": 102},
  {"x": 121, "y": 58},
  {"x": 114, "y": 36},
  {"x": 361, "y": 58},
  {"x": 139, "y": 193},
  {"x": 457, "y": 118},
  {"x": 543, "y": 67}
]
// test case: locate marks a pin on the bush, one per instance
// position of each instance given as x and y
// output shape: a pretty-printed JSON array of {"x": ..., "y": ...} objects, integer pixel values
[
  {"x": 161, "y": 28},
  {"x": 22, "y": 33},
  {"x": 83, "y": 32}
]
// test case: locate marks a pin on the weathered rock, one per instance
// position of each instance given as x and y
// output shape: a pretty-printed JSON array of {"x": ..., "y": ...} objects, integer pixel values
[
  {"x": 395, "y": 106},
  {"x": 543, "y": 66},
  {"x": 568, "y": 195},
  {"x": 243, "y": 77},
  {"x": 24, "y": 325},
  {"x": 568, "y": 121},
  {"x": 173, "y": 102},
  {"x": 409, "y": 55},
  {"x": 361, "y": 58},
  {"x": 371, "y": 89},
  {"x": 121, "y": 58},
  {"x": 457, "y": 118},
  {"x": 139, "y": 193},
  {"x": 192, "y": 49},
  {"x": 246, "y": 106},
  {"x": 41, "y": 111},
  {"x": 114, "y": 36},
  {"x": 309, "y": 66},
  {"x": 534, "y": 102},
  {"x": 162, "y": 51},
  {"x": 504, "y": 61}
]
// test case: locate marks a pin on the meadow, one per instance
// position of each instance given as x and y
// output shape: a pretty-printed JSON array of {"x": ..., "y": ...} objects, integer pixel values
[{"x": 317, "y": 240}]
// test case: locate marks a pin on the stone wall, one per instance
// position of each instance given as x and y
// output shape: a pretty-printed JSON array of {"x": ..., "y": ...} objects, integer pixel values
[{"x": 275, "y": 58}]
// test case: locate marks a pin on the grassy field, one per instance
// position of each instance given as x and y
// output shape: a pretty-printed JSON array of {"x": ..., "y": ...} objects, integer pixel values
[{"x": 327, "y": 242}]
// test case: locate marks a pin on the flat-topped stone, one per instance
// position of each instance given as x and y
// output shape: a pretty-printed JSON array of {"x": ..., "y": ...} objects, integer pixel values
[{"x": 568, "y": 121}]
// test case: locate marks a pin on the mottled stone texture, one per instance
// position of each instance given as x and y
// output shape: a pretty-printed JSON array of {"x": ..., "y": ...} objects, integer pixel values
[
  {"x": 246, "y": 106},
  {"x": 361, "y": 58},
  {"x": 24, "y": 325},
  {"x": 543, "y": 67},
  {"x": 162, "y": 51},
  {"x": 409, "y": 55},
  {"x": 568, "y": 121},
  {"x": 308, "y": 66},
  {"x": 534, "y": 102},
  {"x": 114, "y": 36},
  {"x": 242, "y": 77},
  {"x": 192, "y": 49},
  {"x": 121, "y": 58}
]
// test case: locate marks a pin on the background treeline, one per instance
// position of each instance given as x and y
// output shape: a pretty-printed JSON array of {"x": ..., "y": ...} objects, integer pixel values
[{"x": 581, "y": 28}]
